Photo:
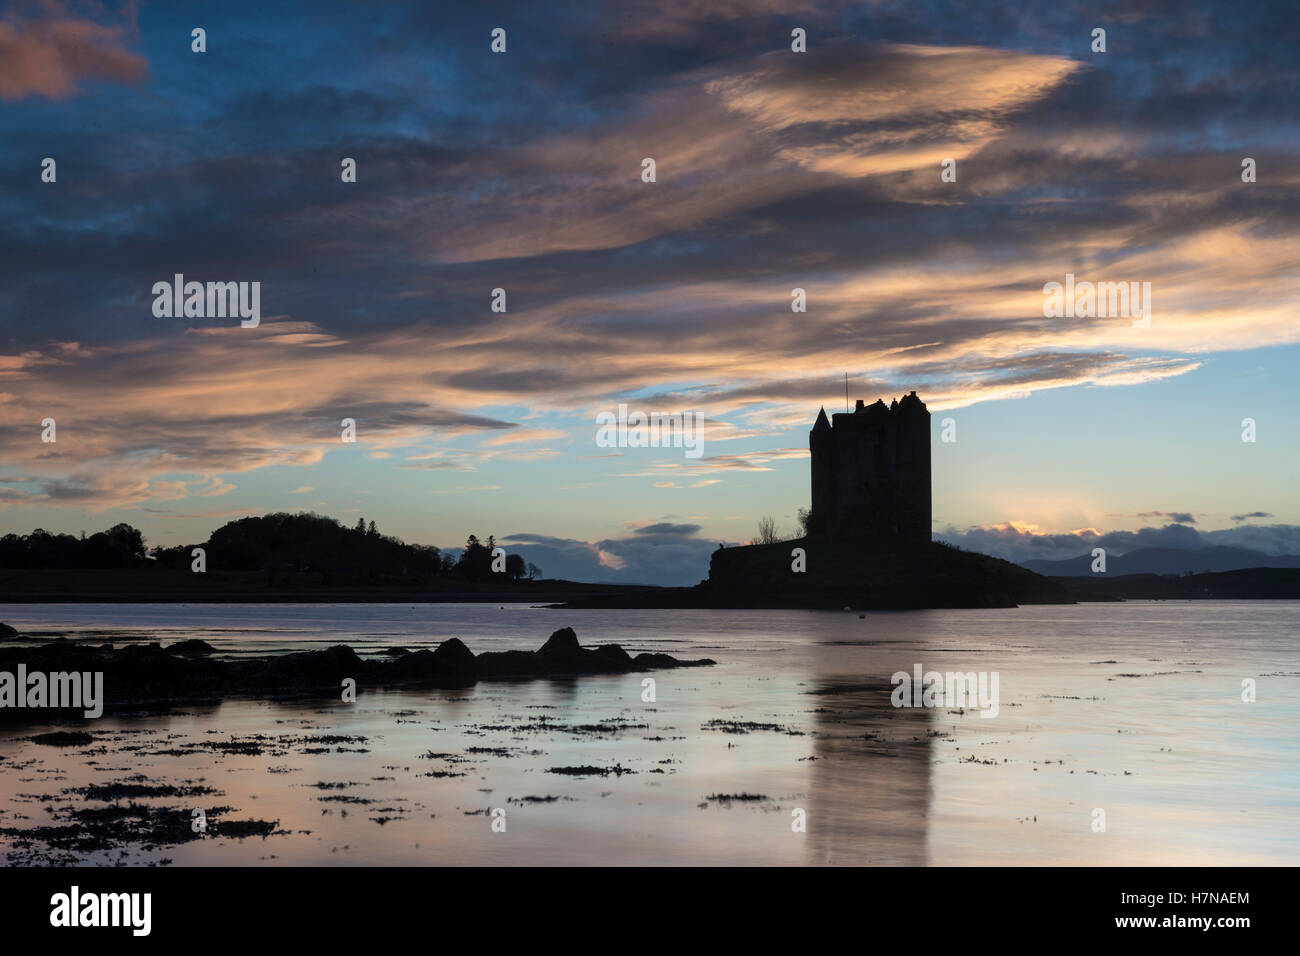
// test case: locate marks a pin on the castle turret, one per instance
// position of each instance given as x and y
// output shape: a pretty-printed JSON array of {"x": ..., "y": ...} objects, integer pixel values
[{"x": 821, "y": 441}]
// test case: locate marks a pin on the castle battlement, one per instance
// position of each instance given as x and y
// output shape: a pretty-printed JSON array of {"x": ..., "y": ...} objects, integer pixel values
[{"x": 871, "y": 472}]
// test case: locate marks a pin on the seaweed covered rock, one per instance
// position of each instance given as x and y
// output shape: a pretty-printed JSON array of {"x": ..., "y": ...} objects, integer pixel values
[
  {"x": 191, "y": 648},
  {"x": 146, "y": 674},
  {"x": 561, "y": 650},
  {"x": 451, "y": 661}
]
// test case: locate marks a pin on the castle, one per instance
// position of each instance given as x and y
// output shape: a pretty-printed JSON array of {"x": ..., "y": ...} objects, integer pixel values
[{"x": 871, "y": 472}]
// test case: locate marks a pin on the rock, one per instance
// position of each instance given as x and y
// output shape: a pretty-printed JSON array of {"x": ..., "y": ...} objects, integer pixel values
[
  {"x": 7, "y": 632},
  {"x": 451, "y": 661},
  {"x": 615, "y": 655},
  {"x": 513, "y": 664},
  {"x": 562, "y": 642},
  {"x": 151, "y": 650},
  {"x": 453, "y": 657},
  {"x": 191, "y": 648},
  {"x": 651, "y": 662},
  {"x": 318, "y": 668},
  {"x": 417, "y": 665},
  {"x": 146, "y": 674},
  {"x": 562, "y": 652},
  {"x": 63, "y": 738}
]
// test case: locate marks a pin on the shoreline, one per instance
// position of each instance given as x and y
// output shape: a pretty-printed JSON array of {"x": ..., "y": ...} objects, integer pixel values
[{"x": 298, "y": 597}]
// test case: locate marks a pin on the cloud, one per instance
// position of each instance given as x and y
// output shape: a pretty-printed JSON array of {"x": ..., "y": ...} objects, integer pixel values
[
  {"x": 464, "y": 489},
  {"x": 535, "y": 454},
  {"x": 229, "y": 513},
  {"x": 665, "y": 528},
  {"x": 205, "y": 404},
  {"x": 661, "y": 553},
  {"x": 1178, "y": 517},
  {"x": 755, "y": 461},
  {"x": 965, "y": 326},
  {"x": 1018, "y": 543},
  {"x": 521, "y": 435},
  {"x": 862, "y": 111},
  {"x": 51, "y": 57},
  {"x": 730, "y": 138}
]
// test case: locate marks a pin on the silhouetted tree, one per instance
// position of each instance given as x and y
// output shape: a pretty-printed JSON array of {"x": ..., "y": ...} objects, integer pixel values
[
  {"x": 515, "y": 566},
  {"x": 475, "y": 561},
  {"x": 121, "y": 546},
  {"x": 276, "y": 542},
  {"x": 316, "y": 543}
]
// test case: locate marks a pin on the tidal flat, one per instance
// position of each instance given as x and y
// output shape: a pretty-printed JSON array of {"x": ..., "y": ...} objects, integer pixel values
[{"x": 1133, "y": 709}]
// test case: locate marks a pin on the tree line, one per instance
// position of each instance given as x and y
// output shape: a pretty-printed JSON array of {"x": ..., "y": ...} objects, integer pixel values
[{"x": 274, "y": 542}]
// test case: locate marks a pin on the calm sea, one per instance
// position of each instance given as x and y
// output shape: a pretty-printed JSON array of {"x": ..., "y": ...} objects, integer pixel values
[{"x": 1123, "y": 716}]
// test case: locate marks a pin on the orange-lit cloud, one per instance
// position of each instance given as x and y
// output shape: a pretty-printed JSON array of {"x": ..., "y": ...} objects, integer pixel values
[{"x": 53, "y": 56}]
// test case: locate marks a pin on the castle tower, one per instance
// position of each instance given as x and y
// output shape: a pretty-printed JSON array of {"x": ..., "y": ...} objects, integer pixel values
[
  {"x": 821, "y": 442},
  {"x": 871, "y": 472}
]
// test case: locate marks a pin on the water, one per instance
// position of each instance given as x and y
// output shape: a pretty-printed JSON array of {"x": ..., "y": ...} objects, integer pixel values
[{"x": 1184, "y": 770}]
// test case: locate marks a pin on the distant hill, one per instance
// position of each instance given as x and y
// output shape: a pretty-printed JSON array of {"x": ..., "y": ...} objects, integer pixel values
[
  {"x": 1165, "y": 561},
  {"x": 1249, "y": 583},
  {"x": 268, "y": 557}
]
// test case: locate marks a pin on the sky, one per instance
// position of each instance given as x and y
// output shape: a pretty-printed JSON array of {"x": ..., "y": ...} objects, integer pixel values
[{"x": 774, "y": 170}]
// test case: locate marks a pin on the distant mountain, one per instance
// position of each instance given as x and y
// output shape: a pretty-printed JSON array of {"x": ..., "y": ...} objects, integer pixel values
[
  {"x": 1166, "y": 561},
  {"x": 1271, "y": 584}
]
